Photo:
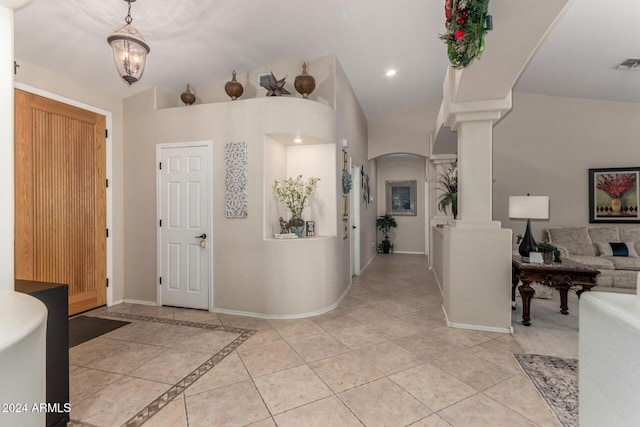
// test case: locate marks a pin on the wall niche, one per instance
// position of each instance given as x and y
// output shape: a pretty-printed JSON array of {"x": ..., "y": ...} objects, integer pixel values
[{"x": 313, "y": 157}]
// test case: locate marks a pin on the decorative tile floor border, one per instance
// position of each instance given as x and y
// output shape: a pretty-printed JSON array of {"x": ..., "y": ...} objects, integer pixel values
[{"x": 163, "y": 400}]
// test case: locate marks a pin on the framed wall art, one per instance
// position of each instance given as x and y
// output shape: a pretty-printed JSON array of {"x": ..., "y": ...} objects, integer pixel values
[
  {"x": 613, "y": 195},
  {"x": 401, "y": 197}
]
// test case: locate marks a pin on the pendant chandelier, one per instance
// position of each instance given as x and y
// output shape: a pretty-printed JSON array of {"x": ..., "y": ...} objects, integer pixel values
[{"x": 129, "y": 50}]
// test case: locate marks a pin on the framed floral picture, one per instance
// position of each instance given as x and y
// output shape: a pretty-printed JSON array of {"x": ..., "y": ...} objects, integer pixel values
[{"x": 614, "y": 195}]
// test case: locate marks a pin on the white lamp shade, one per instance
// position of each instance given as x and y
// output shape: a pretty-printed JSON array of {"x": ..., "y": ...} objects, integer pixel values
[{"x": 529, "y": 207}]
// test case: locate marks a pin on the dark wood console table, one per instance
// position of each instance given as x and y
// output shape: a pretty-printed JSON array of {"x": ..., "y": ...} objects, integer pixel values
[
  {"x": 561, "y": 276},
  {"x": 56, "y": 298}
]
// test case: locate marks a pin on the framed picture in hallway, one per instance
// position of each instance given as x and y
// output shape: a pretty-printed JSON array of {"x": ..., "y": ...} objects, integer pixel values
[
  {"x": 401, "y": 197},
  {"x": 614, "y": 195}
]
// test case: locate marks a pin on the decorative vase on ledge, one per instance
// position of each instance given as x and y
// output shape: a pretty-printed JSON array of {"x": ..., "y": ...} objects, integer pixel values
[
  {"x": 296, "y": 225},
  {"x": 233, "y": 88},
  {"x": 188, "y": 97},
  {"x": 304, "y": 83}
]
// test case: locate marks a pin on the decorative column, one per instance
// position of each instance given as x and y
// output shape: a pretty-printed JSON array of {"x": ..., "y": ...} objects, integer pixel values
[
  {"x": 475, "y": 153},
  {"x": 6, "y": 149},
  {"x": 476, "y": 251}
]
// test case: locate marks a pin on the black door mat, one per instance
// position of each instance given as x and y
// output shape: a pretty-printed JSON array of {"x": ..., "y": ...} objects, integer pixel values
[{"x": 85, "y": 328}]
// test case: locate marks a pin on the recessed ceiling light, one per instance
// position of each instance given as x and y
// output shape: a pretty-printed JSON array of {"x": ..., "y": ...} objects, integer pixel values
[
  {"x": 391, "y": 73},
  {"x": 297, "y": 140}
]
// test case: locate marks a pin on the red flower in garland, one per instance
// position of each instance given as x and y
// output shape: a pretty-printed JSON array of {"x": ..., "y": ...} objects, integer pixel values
[
  {"x": 616, "y": 185},
  {"x": 459, "y": 34}
]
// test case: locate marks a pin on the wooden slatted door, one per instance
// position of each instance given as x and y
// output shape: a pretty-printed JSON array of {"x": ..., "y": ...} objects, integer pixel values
[{"x": 60, "y": 209}]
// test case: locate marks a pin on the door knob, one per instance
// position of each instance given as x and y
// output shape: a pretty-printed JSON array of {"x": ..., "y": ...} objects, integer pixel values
[{"x": 202, "y": 236}]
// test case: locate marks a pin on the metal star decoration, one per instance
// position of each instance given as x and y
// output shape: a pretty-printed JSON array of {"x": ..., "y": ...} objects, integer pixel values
[{"x": 275, "y": 87}]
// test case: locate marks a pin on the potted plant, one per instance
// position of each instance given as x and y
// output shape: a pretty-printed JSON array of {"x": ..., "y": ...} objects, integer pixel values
[
  {"x": 448, "y": 185},
  {"x": 294, "y": 194},
  {"x": 547, "y": 250},
  {"x": 385, "y": 223}
]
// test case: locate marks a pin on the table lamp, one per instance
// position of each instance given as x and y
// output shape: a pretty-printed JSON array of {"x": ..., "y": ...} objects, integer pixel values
[{"x": 529, "y": 207}]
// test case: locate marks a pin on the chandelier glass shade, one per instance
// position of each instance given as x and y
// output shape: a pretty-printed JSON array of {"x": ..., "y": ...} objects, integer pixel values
[{"x": 129, "y": 50}]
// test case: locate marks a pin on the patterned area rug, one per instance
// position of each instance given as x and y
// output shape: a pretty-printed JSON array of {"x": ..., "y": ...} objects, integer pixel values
[{"x": 556, "y": 379}]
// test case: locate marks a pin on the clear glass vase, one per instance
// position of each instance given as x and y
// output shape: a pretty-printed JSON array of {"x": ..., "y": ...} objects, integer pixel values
[{"x": 296, "y": 225}]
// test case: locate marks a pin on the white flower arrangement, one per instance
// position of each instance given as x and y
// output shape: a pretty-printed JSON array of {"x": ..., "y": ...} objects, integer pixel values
[{"x": 294, "y": 193}]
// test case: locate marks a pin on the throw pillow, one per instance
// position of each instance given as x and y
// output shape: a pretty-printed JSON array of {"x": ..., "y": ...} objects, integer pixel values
[
  {"x": 631, "y": 246},
  {"x": 604, "y": 249},
  {"x": 621, "y": 249},
  {"x": 627, "y": 234}
]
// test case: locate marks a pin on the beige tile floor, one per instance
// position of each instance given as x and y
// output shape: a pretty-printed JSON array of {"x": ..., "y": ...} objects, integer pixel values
[{"x": 383, "y": 357}]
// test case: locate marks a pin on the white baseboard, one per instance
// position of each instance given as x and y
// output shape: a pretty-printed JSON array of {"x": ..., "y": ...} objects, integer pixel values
[
  {"x": 439, "y": 286},
  {"x": 408, "y": 252},
  {"x": 285, "y": 316},
  {"x": 483, "y": 328},
  {"x": 368, "y": 262},
  {"x": 508, "y": 330},
  {"x": 120, "y": 301},
  {"x": 141, "y": 302}
]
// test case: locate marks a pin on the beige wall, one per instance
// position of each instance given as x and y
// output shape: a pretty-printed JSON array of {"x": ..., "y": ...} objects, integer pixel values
[
  {"x": 405, "y": 131},
  {"x": 369, "y": 213},
  {"x": 249, "y": 120},
  {"x": 249, "y": 274},
  {"x": 62, "y": 86},
  {"x": 409, "y": 236},
  {"x": 351, "y": 124},
  {"x": 545, "y": 147}
]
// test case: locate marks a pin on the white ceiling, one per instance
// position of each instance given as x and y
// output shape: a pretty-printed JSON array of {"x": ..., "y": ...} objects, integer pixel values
[{"x": 201, "y": 41}]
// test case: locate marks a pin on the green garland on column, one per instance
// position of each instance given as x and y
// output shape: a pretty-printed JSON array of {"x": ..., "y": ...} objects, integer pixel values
[{"x": 465, "y": 26}]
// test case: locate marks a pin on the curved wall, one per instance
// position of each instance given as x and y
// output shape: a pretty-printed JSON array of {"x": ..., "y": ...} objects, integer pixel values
[
  {"x": 23, "y": 321},
  {"x": 252, "y": 274}
]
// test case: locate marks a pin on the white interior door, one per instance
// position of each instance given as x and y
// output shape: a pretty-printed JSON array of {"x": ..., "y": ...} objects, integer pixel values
[
  {"x": 355, "y": 220},
  {"x": 185, "y": 225}
]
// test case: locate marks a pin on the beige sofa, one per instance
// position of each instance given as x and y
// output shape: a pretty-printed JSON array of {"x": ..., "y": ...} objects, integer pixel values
[{"x": 590, "y": 246}]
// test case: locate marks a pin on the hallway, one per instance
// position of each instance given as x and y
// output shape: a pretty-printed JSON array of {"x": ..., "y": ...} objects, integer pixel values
[{"x": 384, "y": 356}]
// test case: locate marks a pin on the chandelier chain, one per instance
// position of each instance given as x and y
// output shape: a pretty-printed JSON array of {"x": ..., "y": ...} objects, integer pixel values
[{"x": 128, "y": 19}]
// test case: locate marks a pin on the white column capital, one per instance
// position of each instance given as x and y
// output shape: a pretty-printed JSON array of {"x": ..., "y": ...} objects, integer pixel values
[
  {"x": 439, "y": 159},
  {"x": 490, "y": 110}
]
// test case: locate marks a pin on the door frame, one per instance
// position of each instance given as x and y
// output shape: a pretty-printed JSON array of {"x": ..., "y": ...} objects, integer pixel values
[
  {"x": 109, "y": 172},
  {"x": 208, "y": 144}
]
